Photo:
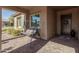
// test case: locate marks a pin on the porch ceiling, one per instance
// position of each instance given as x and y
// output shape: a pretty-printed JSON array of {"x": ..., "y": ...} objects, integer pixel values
[
  {"x": 30, "y": 7},
  {"x": 27, "y": 8},
  {"x": 16, "y": 8},
  {"x": 57, "y": 8}
]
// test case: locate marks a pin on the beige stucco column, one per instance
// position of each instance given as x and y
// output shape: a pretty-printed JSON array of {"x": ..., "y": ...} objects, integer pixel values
[
  {"x": 15, "y": 23},
  {"x": 0, "y": 26},
  {"x": 51, "y": 23},
  {"x": 27, "y": 25},
  {"x": 43, "y": 23}
]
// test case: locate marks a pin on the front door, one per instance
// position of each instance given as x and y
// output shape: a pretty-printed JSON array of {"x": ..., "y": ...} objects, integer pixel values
[{"x": 66, "y": 22}]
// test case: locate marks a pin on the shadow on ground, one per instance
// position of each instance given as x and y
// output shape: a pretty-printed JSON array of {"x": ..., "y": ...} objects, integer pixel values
[
  {"x": 67, "y": 41},
  {"x": 36, "y": 45},
  {"x": 31, "y": 47}
]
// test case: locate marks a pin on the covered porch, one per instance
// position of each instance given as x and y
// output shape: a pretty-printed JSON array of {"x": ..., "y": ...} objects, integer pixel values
[{"x": 50, "y": 27}]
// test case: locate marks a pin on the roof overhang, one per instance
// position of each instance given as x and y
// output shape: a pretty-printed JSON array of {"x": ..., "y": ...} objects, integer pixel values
[
  {"x": 57, "y": 8},
  {"x": 26, "y": 9}
]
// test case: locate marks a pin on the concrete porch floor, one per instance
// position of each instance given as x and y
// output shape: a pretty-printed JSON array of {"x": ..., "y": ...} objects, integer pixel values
[{"x": 61, "y": 44}]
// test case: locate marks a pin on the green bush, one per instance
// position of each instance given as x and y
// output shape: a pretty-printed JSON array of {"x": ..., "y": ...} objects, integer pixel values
[
  {"x": 13, "y": 31},
  {"x": 16, "y": 32},
  {"x": 4, "y": 30}
]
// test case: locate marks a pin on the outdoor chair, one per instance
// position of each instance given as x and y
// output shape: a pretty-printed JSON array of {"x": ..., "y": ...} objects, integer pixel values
[
  {"x": 28, "y": 32},
  {"x": 32, "y": 33}
]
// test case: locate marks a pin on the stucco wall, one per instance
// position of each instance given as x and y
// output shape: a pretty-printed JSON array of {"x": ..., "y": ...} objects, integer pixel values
[
  {"x": 51, "y": 23},
  {"x": 75, "y": 19}
]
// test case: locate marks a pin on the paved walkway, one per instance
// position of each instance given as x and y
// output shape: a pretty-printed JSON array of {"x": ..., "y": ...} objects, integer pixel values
[
  {"x": 61, "y": 44},
  {"x": 10, "y": 42}
]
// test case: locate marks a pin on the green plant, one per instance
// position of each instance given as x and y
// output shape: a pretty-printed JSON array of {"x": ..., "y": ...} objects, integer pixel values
[
  {"x": 16, "y": 32},
  {"x": 9, "y": 31},
  {"x": 13, "y": 31},
  {"x": 4, "y": 30}
]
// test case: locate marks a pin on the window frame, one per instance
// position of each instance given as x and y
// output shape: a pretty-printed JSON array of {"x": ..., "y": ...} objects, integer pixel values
[{"x": 37, "y": 13}]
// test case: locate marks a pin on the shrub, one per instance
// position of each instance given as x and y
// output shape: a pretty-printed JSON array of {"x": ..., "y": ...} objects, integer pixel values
[
  {"x": 13, "y": 31},
  {"x": 4, "y": 30},
  {"x": 16, "y": 32},
  {"x": 10, "y": 30}
]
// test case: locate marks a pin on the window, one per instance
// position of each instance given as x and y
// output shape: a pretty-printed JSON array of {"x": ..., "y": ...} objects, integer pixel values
[{"x": 35, "y": 20}]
